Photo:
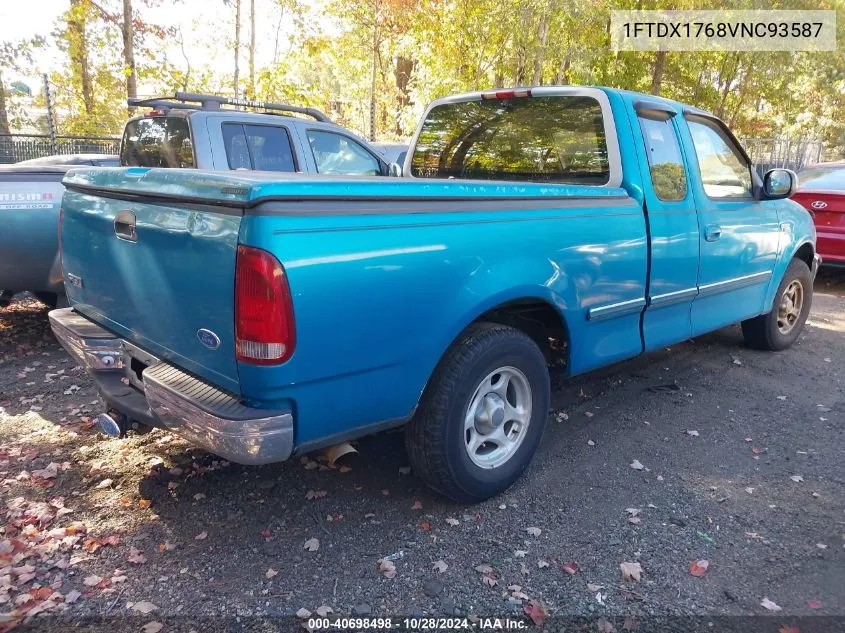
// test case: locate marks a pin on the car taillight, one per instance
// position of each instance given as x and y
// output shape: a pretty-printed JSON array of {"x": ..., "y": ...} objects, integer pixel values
[{"x": 264, "y": 325}]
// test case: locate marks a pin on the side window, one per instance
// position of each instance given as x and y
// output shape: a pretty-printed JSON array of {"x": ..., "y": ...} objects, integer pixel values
[
  {"x": 234, "y": 140},
  {"x": 664, "y": 159},
  {"x": 338, "y": 154},
  {"x": 724, "y": 171},
  {"x": 261, "y": 147}
]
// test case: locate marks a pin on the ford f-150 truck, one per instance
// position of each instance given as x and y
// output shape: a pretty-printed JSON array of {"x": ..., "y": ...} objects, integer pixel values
[{"x": 261, "y": 316}]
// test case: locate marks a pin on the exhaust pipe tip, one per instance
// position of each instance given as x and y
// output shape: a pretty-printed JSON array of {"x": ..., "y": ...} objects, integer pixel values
[{"x": 109, "y": 425}]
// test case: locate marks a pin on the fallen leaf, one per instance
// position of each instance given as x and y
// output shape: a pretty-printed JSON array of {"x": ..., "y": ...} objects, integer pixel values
[
  {"x": 334, "y": 453},
  {"x": 634, "y": 520},
  {"x": 72, "y": 596},
  {"x": 387, "y": 568},
  {"x": 136, "y": 556},
  {"x": 489, "y": 580},
  {"x": 312, "y": 544},
  {"x": 266, "y": 533},
  {"x": 144, "y": 607},
  {"x": 92, "y": 580},
  {"x": 542, "y": 563},
  {"x": 631, "y": 571},
  {"x": 821, "y": 545},
  {"x": 48, "y": 472},
  {"x": 425, "y": 525},
  {"x": 440, "y": 566},
  {"x": 199, "y": 496},
  {"x": 201, "y": 536},
  {"x": 520, "y": 553},
  {"x": 629, "y": 624},
  {"x": 144, "y": 504},
  {"x": 788, "y": 629},
  {"x": 452, "y": 522},
  {"x": 484, "y": 569},
  {"x": 699, "y": 567},
  {"x": 417, "y": 505},
  {"x": 590, "y": 443},
  {"x": 769, "y": 605},
  {"x": 636, "y": 465},
  {"x": 270, "y": 573},
  {"x": 105, "y": 483},
  {"x": 604, "y": 626},
  {"x": 797, "y": 478},
  {"x": 315, "y": 494},
  {"x": 593, "y": 588},
  {"x": 303, "y": 613},
  {"x": 814, "y": 604},
  {"x": 152, "y": 627},
  {"x": 405, "y": 470},
  {"x": 323, "y": 611},
  {"x": 692, "y": 433},
  {"x": 533, "y": 531},
  {"x": 536, "y": 611},
  {"x": 570, "y": 568}
]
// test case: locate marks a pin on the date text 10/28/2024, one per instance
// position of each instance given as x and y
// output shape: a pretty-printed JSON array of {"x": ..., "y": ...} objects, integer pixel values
[{"x": 416, "y": 624}]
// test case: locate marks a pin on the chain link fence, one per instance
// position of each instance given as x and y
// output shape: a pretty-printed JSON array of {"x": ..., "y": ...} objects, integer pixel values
[
  {"x": 18, "y": 147},
  {"x": 783, "y": 153}
]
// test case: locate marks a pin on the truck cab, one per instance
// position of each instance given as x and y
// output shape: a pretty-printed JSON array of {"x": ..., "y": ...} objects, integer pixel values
[{"x": 220, "y": 133}]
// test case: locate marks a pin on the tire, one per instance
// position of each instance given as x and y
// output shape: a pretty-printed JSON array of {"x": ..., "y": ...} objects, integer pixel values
[
  {"x": 437, "y": 437},
  {"x": 778, "y": 329}
]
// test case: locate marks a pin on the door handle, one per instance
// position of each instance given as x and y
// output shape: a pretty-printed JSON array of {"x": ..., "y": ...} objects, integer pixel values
[
  {"x": 124, "y": 226},
  {"x": 712, "y": 232}
]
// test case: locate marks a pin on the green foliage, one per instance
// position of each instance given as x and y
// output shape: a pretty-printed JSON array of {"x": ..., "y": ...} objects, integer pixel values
[{"x": 381, "y": 62}]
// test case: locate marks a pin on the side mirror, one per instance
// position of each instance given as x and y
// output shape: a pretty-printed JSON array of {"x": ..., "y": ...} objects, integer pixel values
[
  {"x": 394, "y": 170},
  {"x": 779, "y": 183}
]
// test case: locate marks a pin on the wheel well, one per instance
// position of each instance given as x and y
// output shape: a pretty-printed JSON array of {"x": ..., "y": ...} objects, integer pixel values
[
  {"x": 805, "y": 254},
  {"x": 539, "y": 320}
]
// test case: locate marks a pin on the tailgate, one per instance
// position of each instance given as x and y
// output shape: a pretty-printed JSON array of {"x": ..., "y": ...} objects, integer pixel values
[{"x": 167, "y": 285}]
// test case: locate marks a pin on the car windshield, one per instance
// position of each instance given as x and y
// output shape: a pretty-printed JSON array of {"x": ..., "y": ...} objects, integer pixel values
[
  {"x": 157, "y": 142},
  {"x": 556, "y": 139},
  {"x": 822, "y": 178}
]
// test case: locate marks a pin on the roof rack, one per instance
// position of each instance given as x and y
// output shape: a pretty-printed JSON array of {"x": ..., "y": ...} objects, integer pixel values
[{"x": 194, "y": 101}]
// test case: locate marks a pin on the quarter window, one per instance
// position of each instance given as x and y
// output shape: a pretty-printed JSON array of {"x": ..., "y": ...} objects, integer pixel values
[
  {"x": 668, "y": 176},
  {"x": 260, "y": 147},
  {"x": 339, "y": 154},
  {"x": 724, "y": 171}
]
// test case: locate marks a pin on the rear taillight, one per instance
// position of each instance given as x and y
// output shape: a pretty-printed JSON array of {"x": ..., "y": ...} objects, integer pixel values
[{"x": 264, "y": 326}]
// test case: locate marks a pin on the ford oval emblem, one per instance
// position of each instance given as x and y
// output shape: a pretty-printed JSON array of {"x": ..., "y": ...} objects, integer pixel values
[
  {"x": 819, "y": 204},
  {"x": 208, "y": 338}
]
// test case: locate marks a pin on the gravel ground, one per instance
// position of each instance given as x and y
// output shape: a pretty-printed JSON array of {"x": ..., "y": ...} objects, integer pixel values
[{"x": 741, "y": 457}]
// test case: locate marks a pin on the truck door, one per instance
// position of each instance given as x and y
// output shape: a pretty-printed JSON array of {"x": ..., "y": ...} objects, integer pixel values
[
  {"x": 673, "y": 225},
  {"x": 738, "y": 234}
]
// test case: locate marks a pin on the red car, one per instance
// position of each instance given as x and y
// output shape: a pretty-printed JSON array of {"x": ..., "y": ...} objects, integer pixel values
[{"x": 821, "y": 189}]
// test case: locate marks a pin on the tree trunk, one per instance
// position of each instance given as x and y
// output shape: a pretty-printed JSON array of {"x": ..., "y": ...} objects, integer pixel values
[
  {"x": 129, "y": 52},
  {"x": 562, "y": 75},
  {"x": 373, "y": 78},
  {"x": 542, "y": 35},
  {"x": 78, "y": 47},
  {"x": 4, "y": 117},
  {"x": 404, "y": 68},
  {"x": 252, "y": 49},
  {"x": 657, "y": 76},
  {"x": 237, "y": 44}
]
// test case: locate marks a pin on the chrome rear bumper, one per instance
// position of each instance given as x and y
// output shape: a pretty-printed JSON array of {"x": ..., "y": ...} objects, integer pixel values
[{"x": 178, "y": 401}]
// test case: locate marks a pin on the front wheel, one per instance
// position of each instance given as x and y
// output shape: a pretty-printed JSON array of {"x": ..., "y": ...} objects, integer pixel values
[
  {"x": 482, "y": 415},
  {"x": 778, "y": 329}
]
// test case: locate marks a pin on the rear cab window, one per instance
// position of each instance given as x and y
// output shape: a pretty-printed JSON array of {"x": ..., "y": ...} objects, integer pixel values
[
  {"x": 258, "y": 147},
  {"x": 157, "y": 142},
  {"x": 555, "y": 139}
]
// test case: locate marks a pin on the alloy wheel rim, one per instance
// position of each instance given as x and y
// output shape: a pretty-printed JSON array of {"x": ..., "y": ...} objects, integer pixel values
[
  {"x": 791, "y": 303},
  {"x": 497, "y": 418}
]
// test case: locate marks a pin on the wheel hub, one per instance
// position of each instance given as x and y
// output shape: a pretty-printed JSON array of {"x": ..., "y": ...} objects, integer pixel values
[
  {"x": 490, "y": 413},
  {"x": 791, "y": 303}
]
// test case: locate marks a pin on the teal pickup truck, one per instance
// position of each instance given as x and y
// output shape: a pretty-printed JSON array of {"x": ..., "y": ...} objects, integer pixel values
[{"x": 264, "y": 315}]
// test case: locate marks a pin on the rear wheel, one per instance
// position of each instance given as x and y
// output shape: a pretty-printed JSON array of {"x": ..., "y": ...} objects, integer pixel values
[
  {"x": 778, "y": 329},
  {"x": 482, "y": 415}
]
